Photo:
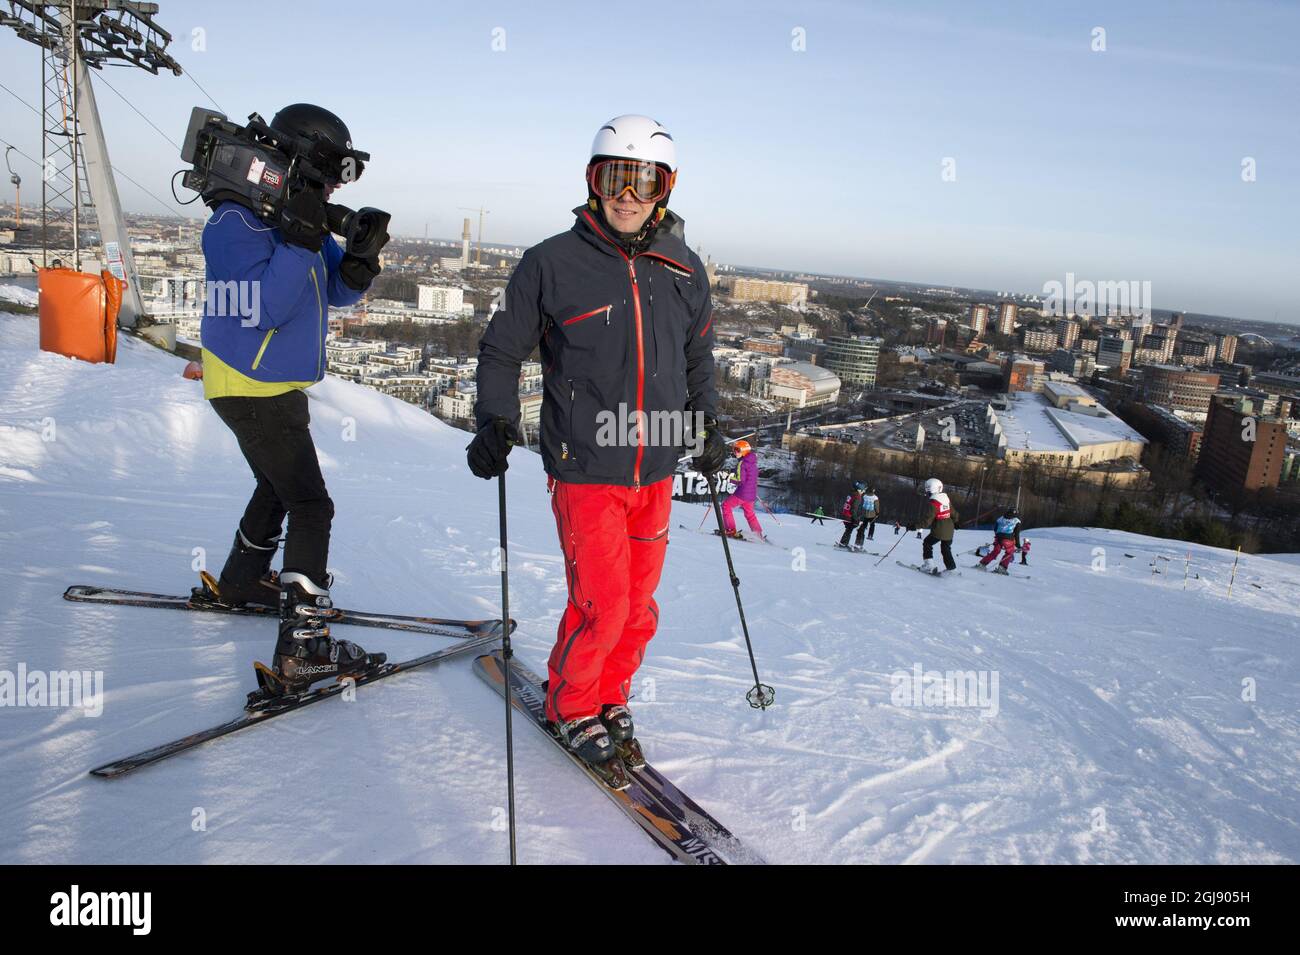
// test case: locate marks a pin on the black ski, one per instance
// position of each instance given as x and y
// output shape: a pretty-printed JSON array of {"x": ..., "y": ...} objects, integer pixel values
[
  {"x": 278, "y": 706},
  {"x": 675, "y": 822},
  {"x": 929, "y": 573},
  {"x": 359, "y": 618},
  {"x": 851, "y": 550}
]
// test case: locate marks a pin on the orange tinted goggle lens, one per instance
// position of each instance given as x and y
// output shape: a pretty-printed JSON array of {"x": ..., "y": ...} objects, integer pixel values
[{"x": 613, "y": 177}]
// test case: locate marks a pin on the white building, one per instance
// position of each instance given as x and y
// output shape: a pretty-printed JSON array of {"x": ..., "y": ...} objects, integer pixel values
[
  {"x": 441, "y": 299},
  {"x": 803, "y": 385}
]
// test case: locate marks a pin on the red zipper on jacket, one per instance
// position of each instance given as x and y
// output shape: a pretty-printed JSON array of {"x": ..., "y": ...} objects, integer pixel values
[
  {"x": 595, "y": 311},
  {"x": 640, "y": 349},
  {"x": 640, "y": 374}
]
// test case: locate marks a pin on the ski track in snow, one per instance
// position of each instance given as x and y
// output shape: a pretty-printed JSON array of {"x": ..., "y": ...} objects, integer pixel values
[{"x": 1121, "y": 733}]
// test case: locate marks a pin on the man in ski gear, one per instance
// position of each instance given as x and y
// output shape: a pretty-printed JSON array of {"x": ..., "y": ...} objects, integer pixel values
[
  {"x": 256, "y": 368},
  {"x": 1006, "y": 541},
  {"x": 940, "y": 518},
  {"x": 621, "y": 309},
  {"x": 746, "y": 492},
  {"x": 1024, "y": 552}
]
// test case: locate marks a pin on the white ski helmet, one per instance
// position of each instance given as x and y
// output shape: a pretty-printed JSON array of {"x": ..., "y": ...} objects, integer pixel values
[
  {"x": 640, "y": 138},
  {"x": 933, "y": 486},
  {"x": 635, "y": 137}
]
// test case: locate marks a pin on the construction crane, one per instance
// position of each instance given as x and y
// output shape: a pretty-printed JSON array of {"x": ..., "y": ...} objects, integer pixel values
[
  {"x": 478, "y": 253},
  {"x": 17, "y": 182}
]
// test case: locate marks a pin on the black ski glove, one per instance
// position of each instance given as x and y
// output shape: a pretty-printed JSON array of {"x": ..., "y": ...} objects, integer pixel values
[
  {"x": 357, "y": 273},
  {"x": 487, "y": 452},
  {"x": 302, "y": 220},
  {"x": 715, "y": 450}
]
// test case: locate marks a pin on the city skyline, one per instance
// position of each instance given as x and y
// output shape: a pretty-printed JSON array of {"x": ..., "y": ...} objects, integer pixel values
[{"x": 829, "y": 160}]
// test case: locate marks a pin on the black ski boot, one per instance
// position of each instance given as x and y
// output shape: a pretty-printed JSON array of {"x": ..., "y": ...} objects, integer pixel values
[
  {"x": 247, "y": 577},
  {"x": 618, "y": 720},
  {"x": 305, "y": 652},
  {"x": 589, "y": 740}
]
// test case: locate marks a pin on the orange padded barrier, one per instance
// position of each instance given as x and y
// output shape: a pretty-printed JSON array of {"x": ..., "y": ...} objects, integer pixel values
[{"x": 78, "y": 313}]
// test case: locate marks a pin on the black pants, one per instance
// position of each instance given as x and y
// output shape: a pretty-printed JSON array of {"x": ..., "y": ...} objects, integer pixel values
[
  {"x": 945, "y": 547},
  {"x": 862, "y": 526},
  {"x": 275, "y": 439},
  {"x": 818, "y": 520}
]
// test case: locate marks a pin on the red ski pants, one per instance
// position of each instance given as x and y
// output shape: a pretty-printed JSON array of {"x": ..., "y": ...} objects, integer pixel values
[
  {"x": 614, "y": 539},
  {"x": 1006, "y": 546}
]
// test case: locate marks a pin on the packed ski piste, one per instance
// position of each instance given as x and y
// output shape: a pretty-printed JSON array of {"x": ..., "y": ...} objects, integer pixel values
[{"x": 849, "y": 759}]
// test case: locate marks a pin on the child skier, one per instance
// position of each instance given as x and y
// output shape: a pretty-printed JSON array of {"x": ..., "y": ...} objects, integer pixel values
[
  {"x": 1006, "y": 541},
  {"x": 851, "y": 513},
  {"x": 940, "y": 518},
  {"x": 870, "y": 514},
  {"x": 1024, "y": 552},
  {"x": 819, "y": 516},
  {"x": 746, "y": 492}
]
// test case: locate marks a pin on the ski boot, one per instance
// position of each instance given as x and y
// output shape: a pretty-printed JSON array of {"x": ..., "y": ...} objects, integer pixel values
[
  {"x": 247, "y": 578},
  {"x": 1001, "y": 570},
  {"x": 589, "y": 740},
  {"x": 930, "y": 567},
  {"x": 618, "y": 721},
  {"x": 305, "y": 652},
  {"x": 980, "y": 565}
]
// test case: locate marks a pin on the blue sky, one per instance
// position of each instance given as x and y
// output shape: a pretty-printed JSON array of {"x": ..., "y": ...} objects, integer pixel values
[{"x": 1115, "y": 165}]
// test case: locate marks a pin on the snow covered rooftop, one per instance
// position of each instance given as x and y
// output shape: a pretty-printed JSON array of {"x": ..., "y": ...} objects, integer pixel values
[{"x": 1032, "y": 423}]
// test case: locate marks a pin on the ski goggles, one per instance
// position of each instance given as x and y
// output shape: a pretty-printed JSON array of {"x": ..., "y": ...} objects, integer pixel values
[{"x": 647, "y": 181}]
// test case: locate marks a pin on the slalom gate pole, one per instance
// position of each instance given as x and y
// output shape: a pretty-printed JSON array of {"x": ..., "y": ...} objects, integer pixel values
[
  {"x": 762, "y": 695},
  {"x": 506, "y": 651},
  {"x": 706, "y": 515},
  {"x": 1233, "y": 578},
  {"x": 770, "y": 511}
]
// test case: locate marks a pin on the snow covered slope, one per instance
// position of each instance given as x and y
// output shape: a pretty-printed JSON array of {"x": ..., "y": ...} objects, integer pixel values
[{"x": 1118, "y": 731}]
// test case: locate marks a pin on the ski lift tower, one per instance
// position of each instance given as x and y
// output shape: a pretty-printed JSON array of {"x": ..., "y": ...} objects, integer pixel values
[{"x": 78, "y": 192}]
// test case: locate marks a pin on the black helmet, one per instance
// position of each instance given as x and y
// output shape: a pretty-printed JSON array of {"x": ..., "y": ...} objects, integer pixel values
[
  {"x": 323, "y": 140},
  {"x": 1011, "y": 512}
]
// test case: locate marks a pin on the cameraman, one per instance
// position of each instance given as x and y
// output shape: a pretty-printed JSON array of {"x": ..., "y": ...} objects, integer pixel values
[{"x": 255, "y": 370}]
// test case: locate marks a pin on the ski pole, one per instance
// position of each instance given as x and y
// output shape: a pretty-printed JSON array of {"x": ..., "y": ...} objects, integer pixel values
[
  {"x": 1233, "y": 578},
  {"x": 901, "y": 538},
  {"x": 506, "y": 651},
  {"x": 769, "y": 511},
  {"x": 762, "y": 695}
]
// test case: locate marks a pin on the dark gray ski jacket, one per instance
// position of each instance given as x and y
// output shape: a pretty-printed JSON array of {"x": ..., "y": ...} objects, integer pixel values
[{"x": 618, "y": 334}]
